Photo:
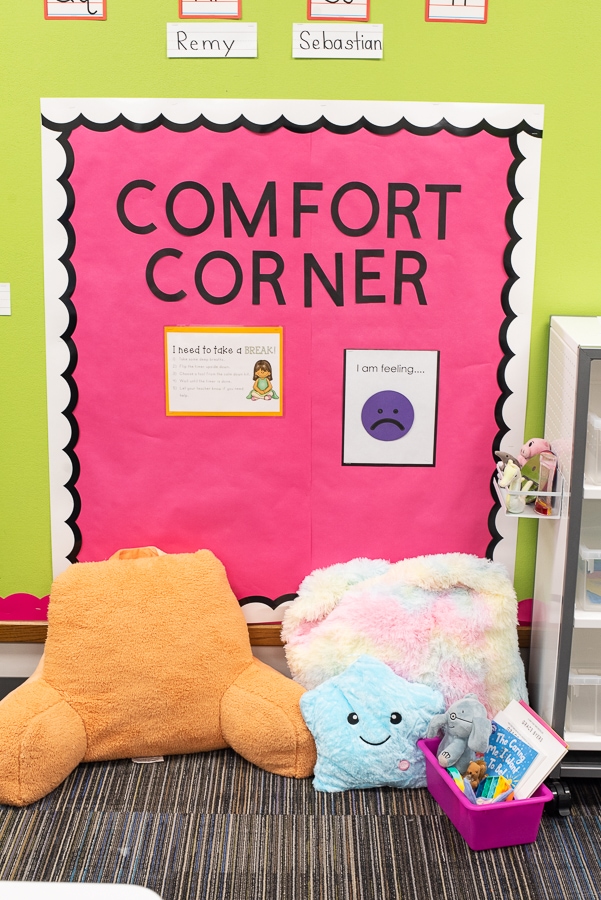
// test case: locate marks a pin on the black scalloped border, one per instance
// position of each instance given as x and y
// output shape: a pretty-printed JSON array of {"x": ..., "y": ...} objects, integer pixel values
[
  {"x": 121, "y": 121},
  {"x": 67, "y": 337},
  {"x": 265, "y": 601},
  {"x": 508, "y": 354}
]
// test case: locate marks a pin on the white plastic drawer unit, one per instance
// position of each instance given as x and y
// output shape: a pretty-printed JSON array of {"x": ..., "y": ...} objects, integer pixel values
[
  {"x": 583, "y": 709},
  {"x": 565, "y": 654}
]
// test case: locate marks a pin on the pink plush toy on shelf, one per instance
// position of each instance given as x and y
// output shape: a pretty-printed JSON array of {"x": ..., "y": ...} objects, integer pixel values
[
  {"x": 529, "y": 450},
  {"x": 532, "y": 448}
]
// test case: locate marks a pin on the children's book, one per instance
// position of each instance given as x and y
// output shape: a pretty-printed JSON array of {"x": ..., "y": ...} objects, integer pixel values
[
  {"x": 508, "y": 755},
  {"x": 519, "y": 719}
]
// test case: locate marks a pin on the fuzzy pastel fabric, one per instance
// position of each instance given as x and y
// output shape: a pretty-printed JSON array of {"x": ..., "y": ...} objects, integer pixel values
[
  {"x": 447, "y": 621},
  {"x": 366, "y": 724}
]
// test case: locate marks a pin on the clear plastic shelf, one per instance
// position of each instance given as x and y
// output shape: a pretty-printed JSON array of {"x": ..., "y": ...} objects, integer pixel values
[
  {"x": 529, "y": 512},
  {"x": 588, "y": 584},
  {"x": 583, "y": 710},
  {"x": 591, "y": 491}
]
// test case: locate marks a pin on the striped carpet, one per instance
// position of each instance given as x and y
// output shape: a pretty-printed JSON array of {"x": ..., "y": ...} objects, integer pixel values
[{"x": 213, "y": 826}]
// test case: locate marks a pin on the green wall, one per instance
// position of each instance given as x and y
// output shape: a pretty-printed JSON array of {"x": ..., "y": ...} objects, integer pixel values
[{"x": 529, "y": 52}]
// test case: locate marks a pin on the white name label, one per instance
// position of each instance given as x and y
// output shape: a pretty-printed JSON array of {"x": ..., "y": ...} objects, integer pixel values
[
  {"x": 5, "y": 299},
  {"x": 75, "y": 9},
  {"x": 339, "y": 9},
  {"x": 337, "y": 41},
  {"x": 210, "y": 9},
  {"x": 211, "y": 39},
  {"x": 457, "y": 11}
]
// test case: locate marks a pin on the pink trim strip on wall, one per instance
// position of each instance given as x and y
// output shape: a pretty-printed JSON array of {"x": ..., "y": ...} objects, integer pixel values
[{"x": 23, "y": 608}]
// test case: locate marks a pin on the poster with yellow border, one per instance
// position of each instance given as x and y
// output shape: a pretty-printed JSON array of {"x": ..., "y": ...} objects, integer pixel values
[{"x": 223, "y": 371}]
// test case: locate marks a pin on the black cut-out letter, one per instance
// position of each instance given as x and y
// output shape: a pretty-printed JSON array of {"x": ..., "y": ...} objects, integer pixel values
[
  {"x": 170, "y": 207},
  {"x": 271, "y": 278},
  {"x": 336, "y": 291},
  {"x": 150, "y": 280},
  {"x": 401, "y": 277},
  {"x": 123, "y": 195},
  {"x": 250, "y": 226},
  {"x": 216, "y": 299}
]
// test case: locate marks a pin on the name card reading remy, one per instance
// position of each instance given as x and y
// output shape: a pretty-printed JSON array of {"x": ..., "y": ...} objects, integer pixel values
[
  {"x": 342, "y": 40},
  {"x": 355, "y": 10},
  {"x": 75, "y": 9},
  {"x": 210, "y": 9},
  {"x": 211, "y": 39}
]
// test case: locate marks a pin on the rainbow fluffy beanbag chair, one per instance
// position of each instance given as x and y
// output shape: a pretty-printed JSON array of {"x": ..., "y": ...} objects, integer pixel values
[
  {"x": 447, "y": 621},
  {"x": 366, "y": 723},
  {"x": 147, "y": 655}
]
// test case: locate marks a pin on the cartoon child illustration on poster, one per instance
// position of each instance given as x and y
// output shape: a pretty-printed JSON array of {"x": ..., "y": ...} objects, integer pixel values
[{"x": 262, "y": 388}]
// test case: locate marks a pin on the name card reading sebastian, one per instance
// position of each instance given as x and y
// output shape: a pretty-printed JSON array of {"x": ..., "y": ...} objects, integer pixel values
[
  {"x": 211, "y": 39},
  {"x": 342, "y": 40},
  {"x": 210, "y": 9},
  {"x": 75, "y": 9},
  {"x": 353, "y": 10}
]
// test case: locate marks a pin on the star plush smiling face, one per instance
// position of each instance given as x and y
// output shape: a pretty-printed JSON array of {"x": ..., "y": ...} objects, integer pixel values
[{"x": 366, "y": 723}]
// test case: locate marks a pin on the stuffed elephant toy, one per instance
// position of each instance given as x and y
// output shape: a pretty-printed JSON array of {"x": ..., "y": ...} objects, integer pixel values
[{"x": 466, "y": 732}]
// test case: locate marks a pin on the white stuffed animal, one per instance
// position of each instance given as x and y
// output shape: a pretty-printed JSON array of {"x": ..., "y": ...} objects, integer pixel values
[{"x": 512, "y": 479}]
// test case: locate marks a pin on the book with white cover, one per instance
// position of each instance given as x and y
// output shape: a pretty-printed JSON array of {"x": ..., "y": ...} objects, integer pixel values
[{"x": 521, "y": 720}]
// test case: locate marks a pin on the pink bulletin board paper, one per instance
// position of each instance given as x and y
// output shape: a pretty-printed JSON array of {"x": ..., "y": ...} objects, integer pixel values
[{"x": 269, "y": 496}]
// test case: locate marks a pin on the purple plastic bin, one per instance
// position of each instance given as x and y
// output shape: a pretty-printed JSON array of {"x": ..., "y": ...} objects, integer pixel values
[{"x": 483, "y": 827}]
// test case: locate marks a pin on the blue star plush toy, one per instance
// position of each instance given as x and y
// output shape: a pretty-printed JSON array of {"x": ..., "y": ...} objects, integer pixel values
[{"x": 366, "y": 723}]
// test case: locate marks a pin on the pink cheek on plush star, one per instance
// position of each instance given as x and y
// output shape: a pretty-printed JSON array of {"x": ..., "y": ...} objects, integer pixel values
[{"x": 404, "y": 765}]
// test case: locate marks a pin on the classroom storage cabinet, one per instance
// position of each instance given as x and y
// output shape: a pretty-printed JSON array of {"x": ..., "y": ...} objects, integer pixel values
[{"x": 565, "y": 654}]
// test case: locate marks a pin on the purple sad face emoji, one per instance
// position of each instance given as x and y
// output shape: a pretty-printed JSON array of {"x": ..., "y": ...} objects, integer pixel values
[{"x": 387, "y": 415}]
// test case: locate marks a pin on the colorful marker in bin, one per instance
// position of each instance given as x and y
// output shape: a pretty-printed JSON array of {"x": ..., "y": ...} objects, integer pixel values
[{"x": 492, "y": 789}]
